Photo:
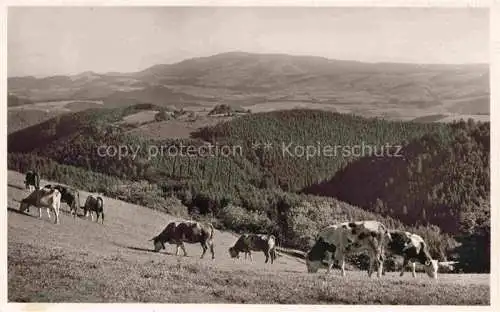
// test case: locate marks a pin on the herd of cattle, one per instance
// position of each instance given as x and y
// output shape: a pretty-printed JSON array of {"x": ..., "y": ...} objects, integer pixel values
[
  {"x": 333, "y": 243},
  {"x": 51, "y": 197}
]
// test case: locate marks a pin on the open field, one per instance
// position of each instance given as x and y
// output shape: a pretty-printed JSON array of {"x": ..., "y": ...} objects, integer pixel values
[
  {"x": 23, "y": 116},
  {"x": 82, "y": 261}
]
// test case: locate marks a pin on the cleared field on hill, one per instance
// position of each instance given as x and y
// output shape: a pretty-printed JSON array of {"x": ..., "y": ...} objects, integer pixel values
[
  {"x": 82, "y": 261},
  {"x": 23, "y": 116}
]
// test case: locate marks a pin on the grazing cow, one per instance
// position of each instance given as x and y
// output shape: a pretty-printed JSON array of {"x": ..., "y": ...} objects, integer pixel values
[
  {"x": 334, "y": 242},
  {"x": 255, "y": 242},
  {"x": 43, "y": 198},
  {"x": 69, "y": 196},
  {"x": 412, "y": 248},
  {"x": 94, "y": 204},
  {"x": 32, "y": 180},
  {"x": 190, "y": 232}
]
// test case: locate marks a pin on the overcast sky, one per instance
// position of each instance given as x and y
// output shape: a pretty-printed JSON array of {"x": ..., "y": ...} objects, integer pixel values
[{"x": 48, "y": 41}]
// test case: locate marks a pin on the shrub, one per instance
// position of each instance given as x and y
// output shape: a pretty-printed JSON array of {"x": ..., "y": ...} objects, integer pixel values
[{"x": 242, "y": 220}]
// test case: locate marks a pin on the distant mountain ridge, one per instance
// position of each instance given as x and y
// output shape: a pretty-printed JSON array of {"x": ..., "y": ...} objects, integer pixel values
[{"x": 249, "y": 78}]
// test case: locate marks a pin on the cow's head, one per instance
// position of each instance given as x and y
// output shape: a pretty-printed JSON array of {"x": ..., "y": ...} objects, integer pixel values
[
  {"x": 24, "y": 205},
  {"x": 233, "y": 252},
  {"x": 158, "y": 244},
  {"x": 431, "y": 268},
  {"x": 313, "y": 266}
]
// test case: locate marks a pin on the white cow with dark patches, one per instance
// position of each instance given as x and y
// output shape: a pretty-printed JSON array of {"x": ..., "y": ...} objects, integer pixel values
[
  {"x": 335, "y": 242},
  {"x": 412, "y": 248},
  {"x": 43, "y": 198}
]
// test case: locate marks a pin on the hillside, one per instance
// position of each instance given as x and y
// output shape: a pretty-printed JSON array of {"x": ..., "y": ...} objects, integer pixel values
[
  {"x": 261, "y": 81},
  {"x": 436, "y": 181},
  {"x": 84, "y": 262},
  {"x": 13, "y": 100},
  {"x": 252, "y": 191}
]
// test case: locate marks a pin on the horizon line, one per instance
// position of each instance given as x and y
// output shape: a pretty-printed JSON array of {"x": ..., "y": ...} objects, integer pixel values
[{"x": 249, "y": 53}]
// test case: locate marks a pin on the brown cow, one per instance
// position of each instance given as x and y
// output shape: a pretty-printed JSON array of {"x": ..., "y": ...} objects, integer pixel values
[
  {"x": 255, "y": 242},
  {"x": 190, "y": 232},
  {"x": 94, "y": 204}
]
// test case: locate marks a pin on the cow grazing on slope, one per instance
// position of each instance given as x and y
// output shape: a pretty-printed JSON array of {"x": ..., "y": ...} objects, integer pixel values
[
  {"x": 412, "y": 248},
  {"x": 255, "y": 242},
  {"x": 334, "y": 242},
  {"x": 32, "y": 180},
  {"x": 94, "y": 204},
  {"x": 69, "y": 195},
  {"x": 43, "y": 198},
  {"x": 190, "y": 232}
]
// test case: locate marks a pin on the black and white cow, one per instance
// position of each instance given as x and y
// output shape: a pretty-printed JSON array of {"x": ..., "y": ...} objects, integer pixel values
[
  {"x": 69, "y": 195},
  {"x": 335, "y": 242},
  {"x": 43, "y": 198},
  {"x": 412, "y": 248}
]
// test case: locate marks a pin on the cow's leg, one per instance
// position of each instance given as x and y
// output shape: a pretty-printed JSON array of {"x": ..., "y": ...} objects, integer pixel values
[
  {"x": 330, "y": 266},
  {"x": 102, "y": 217},
  {"x": 204, "y": 246},
  {"x": 405, "y": 263},
  {"x": 266, "y": 253},
  {"x": 342, "y": 266},
  {"x": 329, "y": 260},
  {"x": 250, "y": 255},
  {"x": 56, "y": 212},
  {"x": 184, "y": 249},
  {"x": 177, "y": 249},
  {"x": 39, "y": 212},
  {"x": 212, "y": 249},
  {"x": 370, "y": 266},
  {"x": 413, "y": 270},
  {"x": 380, "y": 268}
]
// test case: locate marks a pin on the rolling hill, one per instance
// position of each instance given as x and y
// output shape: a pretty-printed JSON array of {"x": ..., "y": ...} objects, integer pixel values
[
  {"x": 266, "y": 189},
  {"x": 246, "y": 79},
  {"x": 80, "y": 261},
  {"x": 254, "y": 190}
]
